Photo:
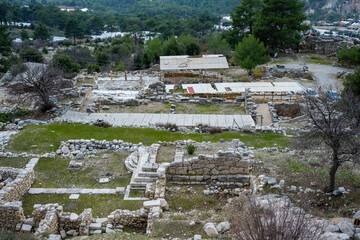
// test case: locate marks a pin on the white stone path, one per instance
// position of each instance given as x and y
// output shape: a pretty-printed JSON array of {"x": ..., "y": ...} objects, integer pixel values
[
  {"x": 118, "y": 190},
  {"x": 147, "y": 119}
]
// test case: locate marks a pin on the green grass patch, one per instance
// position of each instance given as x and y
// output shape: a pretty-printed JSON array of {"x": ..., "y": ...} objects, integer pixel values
[
  {"x": 187, "y": 200},
  {"x": 176, "y": 229},
  {"x": 18, "y": 162},
  {"x": 117, "y": 236},
  {"x": 320, "y": 60},
  {"x": 53, "y": 173},
  {"x": 47, "y": 138},
  {"x": 16, "y": 236},
  {"x": 102, "y": 204}
]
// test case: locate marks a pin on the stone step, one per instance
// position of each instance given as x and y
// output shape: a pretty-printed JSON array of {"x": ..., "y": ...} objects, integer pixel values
[
  {"x": 144, "y": 179},
  {"x": 147, "y": 174}
]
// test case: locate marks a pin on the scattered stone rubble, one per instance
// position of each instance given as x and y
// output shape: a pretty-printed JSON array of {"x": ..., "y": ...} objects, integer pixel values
[{"x": 280, "y": 71}]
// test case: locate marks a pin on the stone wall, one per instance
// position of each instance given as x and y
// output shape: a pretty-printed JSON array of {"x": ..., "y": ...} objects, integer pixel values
[
  {"x": 22, "y": 179},
  {"x": 89, "y": 146},
  {"x": 135, "y": 219},
  {"x": 223, "y": 167},
  {"x": 11, "y": 214}
]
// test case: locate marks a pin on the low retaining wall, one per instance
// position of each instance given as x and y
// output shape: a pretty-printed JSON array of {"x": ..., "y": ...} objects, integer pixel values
[
  {"x": 224, "y": 167},
  {"x": 85, "y": 146}
]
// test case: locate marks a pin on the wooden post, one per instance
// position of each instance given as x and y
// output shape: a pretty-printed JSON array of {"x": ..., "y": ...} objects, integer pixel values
[
  {"x": 125, "y": 75},
  {"x": 111, "y": 75}
]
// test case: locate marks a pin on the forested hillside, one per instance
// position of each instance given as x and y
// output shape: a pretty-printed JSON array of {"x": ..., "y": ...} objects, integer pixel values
[{"x": 152, "y": 8}]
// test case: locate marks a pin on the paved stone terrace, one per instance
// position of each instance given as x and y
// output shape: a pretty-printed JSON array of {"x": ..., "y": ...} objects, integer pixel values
[{"x": 147, "y": 119}]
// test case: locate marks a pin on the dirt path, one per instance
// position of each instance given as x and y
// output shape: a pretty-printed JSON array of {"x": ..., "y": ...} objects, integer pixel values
[
  {"x": 263, "y": 109},
  {"x": 324, "y": 74}
]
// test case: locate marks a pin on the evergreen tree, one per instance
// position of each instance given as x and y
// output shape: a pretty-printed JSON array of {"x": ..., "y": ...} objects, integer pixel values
[
  {"x": 244, "y": 17},
  {"x": 95, "y": 25},
  {"x": 250, "y": 52},
  {"x": 41, "y": 32},
  {"x": 73, "y": 30},
  {"x": 352, "y": 83},
  {"x": 5, "y": 48},
  {"x": 280, "y": 23},
  {"x": 111, "y": 23},
  {"x": 24, "y": 35},
  {"x": 172, "y": 48}
]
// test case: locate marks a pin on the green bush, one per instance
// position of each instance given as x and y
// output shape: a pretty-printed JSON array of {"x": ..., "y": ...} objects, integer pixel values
[
  {"x": 120, "y": 67},
  {"x": 93, "y": 68},
  {"x": 31, "y": 55},
  {"x": 190, "y": 149},
  {"x": 349, "y": 55}
]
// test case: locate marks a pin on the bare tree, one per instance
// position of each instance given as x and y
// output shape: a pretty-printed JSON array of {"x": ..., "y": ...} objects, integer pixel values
[
  {"x": 271, "y": 218},
  {"x": 335, "y": 125},
  {"x": 40, "y": 80}
]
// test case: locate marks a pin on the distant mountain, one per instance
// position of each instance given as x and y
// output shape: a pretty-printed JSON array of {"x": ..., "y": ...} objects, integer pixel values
[{"x": 343, "y": 8}]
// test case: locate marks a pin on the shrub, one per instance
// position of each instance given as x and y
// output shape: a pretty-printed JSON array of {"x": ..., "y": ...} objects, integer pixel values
[
  {"x": 272, "y": 218},
  {"x": 102, "y": 123},
  {"x": 93, "y": 68},
  {"x": 214, "y": 130},
  {"x": 349, "y": 56},
  {"x": 244, "y": 79},
  {"x": 190, "y": 149},
  {"x": 31, "y": 55},
  {"x": 120, "y": 67},
  {"x": 309, "y": 76}
]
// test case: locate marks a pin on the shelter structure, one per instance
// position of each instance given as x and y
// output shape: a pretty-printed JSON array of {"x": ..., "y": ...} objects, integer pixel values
[{"x": 186, "y": 62}]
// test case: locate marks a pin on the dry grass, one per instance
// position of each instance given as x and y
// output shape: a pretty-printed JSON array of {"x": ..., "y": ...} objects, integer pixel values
[{"x": 165, "y": 154}]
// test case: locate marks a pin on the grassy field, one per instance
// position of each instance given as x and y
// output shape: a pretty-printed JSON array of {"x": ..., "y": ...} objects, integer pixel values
[
  {"x": 102, "y": 204},
  {"x": 47, "y": 138},
  {"x": 19, "y": 162},
  {"x": 53, "y": 172},
  {"x": 182, "y": 108}
]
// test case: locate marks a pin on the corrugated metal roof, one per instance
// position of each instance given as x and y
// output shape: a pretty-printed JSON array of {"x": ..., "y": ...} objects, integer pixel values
[
  {"x": 187, "y": 63},
  {"x": 239, "y": 87}
]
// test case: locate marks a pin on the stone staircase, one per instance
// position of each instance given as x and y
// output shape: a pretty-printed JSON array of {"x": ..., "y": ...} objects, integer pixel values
[
  {"x": 132, "y": 160},
  {"x": 146, "y": 167}
]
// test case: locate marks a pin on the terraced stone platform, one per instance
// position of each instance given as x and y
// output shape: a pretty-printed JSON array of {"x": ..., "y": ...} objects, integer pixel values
[{"x": 148, "y": 119}]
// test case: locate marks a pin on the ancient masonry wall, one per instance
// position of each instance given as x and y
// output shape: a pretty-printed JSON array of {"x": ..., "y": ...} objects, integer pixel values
[
  {"x": 11, "y": 212},
  {"x": 136, "y": 219},
  {"x": 86, "y": 146},
  {"x": 51, "y": 219},
  {"x": 223, "y": 167},
  {"x": 22, "y": 181}
]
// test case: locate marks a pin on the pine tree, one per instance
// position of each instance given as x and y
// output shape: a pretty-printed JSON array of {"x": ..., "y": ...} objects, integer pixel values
[
  {"x": 41, "y": 32},
  {"x": 250, "y": 52},
  {"x": 5, "y": 48},
  {"x": 280, "y": 23},
  {"x": 244, "y": 17},
  {"x": 73, "y": 30}
]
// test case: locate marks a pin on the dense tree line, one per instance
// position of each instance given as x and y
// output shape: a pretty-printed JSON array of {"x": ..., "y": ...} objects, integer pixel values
[
  {"x": 76, "y": 24},
  {"x": 152, "y": 8}
]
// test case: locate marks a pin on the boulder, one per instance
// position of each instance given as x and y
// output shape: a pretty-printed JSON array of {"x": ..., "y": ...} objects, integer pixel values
[
  {"x": 223, "y": 227},
  {"x": 210, "y": 230},
  {"x": 346, "y": 227},
  {"x": 357, "y": 215},
  {"x": 334, "y": 236}
]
